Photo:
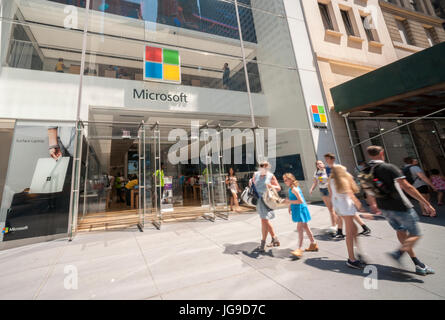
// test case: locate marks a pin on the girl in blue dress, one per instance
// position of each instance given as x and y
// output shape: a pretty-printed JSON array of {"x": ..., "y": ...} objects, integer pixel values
[{"x": 300, "y": 214}]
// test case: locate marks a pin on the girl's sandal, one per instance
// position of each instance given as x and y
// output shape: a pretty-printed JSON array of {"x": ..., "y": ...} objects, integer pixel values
[{"x": 275, "y": 243}]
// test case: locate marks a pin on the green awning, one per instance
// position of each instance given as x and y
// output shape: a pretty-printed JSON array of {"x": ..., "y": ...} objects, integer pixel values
[{"x": 416, "y": 74}]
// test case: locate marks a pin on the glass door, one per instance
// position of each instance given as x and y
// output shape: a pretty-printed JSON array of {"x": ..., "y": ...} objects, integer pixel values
[
  {"x": 75, "y": 182},
  {"x": 153, "y": 175},
  {"x": 205, "y": 177},
  {"x": 142, "y": 174},
  {"x": 218, "y": 178}
]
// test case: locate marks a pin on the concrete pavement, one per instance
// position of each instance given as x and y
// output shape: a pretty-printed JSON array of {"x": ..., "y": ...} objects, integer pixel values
[{"x": 206, "y": 260}]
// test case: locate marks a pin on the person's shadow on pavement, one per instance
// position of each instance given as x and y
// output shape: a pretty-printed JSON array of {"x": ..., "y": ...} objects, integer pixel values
[
  {"x": 250, "y": 250},
  {"x": 383, "y": 272}
]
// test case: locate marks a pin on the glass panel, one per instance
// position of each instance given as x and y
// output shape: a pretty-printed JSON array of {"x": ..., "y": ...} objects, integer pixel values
[
  {"x": 239, "y": 161},
  {"x": 141, "y": 177},
  {"x": 117, "y": 58},
  {"x": 218, "y": 177},
  {"x": 429, "y": 144},
  {"x": 275, "y": 7},
  {"x": 266, "y": 39},
  {"x": 32, "y": 52},
  {"x": 36, "y": 195},
  {"x": 205, "y": 174},
  {"x": 398, "y": 143}
]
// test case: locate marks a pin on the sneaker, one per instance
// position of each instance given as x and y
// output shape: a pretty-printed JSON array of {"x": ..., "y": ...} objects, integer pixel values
[
  {"x": 339, "y": 236},
  {"x": 298, "y": 253},
  {"x": 331, "y": 230},
  {"x": 357, "y": 264},
  {"x": 365, "y": 232},
  {"x": 424, "y": 271}
]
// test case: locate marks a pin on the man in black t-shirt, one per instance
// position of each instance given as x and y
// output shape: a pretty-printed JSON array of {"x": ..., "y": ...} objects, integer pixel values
[{"x": 396, "y": 207}]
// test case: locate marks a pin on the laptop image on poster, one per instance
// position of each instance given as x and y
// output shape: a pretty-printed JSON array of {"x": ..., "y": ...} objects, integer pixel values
[{"x": 49, "y": 175}]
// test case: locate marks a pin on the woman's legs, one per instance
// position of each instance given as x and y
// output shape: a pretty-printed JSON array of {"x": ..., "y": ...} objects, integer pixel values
[
  {"x": 264, "y": 229},
  {"x": 300, "y": 234},
  {"x": 439, "y": 197},
  {"x": 328, "y": 204},
  {"x": 270, "y": 229},
  {"x": 351, "y": 234},
  {"x": 235, "y": 200},
  {"x": 231, "y": 203}
]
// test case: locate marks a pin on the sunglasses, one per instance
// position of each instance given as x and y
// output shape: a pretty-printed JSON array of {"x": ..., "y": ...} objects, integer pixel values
[{"x": 263, "y": 165}]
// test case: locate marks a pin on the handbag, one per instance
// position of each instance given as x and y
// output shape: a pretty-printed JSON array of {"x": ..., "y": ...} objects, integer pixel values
[
  {"x": 271, "y": 199},
  {"x": 250, "y": 195}
]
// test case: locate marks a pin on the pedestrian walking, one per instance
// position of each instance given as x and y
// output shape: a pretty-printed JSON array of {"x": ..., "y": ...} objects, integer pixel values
[
  {"x": 388, "y": 196},
  {"x": 263, "y": 179},
  {"x": 300, "y": 214},
  {"x": 330, "y": 161},
  {"x": 438, "y": 181},
  {"x": 343, "y": 188},
  {"x": 415, "y": 176},
  {"x": 321, "y": 180}
]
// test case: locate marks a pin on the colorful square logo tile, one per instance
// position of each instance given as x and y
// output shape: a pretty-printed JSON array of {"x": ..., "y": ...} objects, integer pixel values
[
  {"x": 319, "y": 115},
  {"x": 5, "y": 230},
  {"x": 162, "y": 65}
]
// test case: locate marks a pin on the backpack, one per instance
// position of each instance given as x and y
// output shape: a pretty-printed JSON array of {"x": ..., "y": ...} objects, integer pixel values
[
  {"x": 371, "y": 184},
  {"x": 408, "y": 175}
]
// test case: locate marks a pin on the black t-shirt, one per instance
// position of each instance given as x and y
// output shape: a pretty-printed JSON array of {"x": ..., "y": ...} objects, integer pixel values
[{"x": 395, "y": 199}]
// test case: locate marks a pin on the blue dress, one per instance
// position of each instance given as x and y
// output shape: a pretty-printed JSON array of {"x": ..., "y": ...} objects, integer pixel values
[{"x": 300, "y": 212}]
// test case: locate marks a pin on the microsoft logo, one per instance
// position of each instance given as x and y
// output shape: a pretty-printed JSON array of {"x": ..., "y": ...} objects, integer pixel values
[
  {"x": 319, "y": 116},
  {"x": 162, "y": 65},
  {"x": 5, "y": 230}
]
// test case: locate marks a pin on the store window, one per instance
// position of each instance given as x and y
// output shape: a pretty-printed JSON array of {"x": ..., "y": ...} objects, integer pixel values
[{"x": 37, "y": 190}]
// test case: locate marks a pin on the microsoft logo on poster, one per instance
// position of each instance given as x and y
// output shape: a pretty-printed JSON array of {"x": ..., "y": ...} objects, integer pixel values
[
  {"x": 162, "y": 65},
  {"x": 5, "y": 230},
  {"x": 319, "y": 116}
]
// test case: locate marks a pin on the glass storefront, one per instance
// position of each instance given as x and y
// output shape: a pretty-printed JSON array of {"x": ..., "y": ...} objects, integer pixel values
[
  {"x": 87, "y": 62},
  {"x": 423, "y": 140}
]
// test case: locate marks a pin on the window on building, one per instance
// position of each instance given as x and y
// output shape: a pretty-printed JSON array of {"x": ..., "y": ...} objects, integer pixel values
[
  {"x": 431, "y": 36},
  {"x": 347, "y": 21},
  {"x": 415, "y": 5},
  {"x": 367, "y": 27},
  {"x": 325, "y": 16},
  {"x": 402, "y": 25}
]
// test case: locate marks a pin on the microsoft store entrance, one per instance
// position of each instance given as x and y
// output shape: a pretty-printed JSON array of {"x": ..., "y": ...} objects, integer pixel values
[{"x": 138, "y": 174}]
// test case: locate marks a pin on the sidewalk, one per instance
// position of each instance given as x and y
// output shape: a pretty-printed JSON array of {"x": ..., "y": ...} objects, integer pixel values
[{"x": 206, "y": 260}]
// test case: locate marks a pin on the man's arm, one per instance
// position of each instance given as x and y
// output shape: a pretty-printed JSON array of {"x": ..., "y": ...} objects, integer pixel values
[{"x": 408, "y": 188}]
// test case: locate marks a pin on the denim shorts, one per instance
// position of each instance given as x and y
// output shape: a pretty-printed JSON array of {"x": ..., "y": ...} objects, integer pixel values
[
  {"x": 403, "y": 220},
  {"x": 324, "y": 192}
]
